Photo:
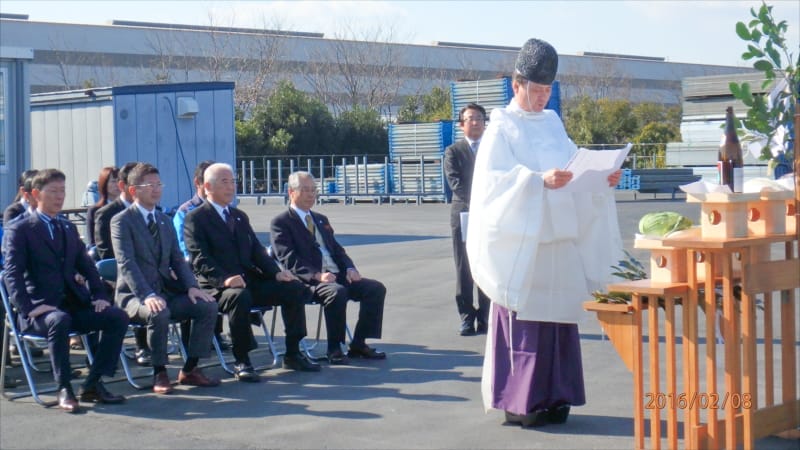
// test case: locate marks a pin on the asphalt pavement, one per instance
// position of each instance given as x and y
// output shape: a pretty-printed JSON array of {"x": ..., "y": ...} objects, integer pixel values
[{"x": 426, "y": 395}]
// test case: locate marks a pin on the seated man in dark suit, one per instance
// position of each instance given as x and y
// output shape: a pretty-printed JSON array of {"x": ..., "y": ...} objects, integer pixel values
[
  {"x": 24, "y": 201},
  {"x": 154, "y": 282},
  {"x": 104, "y": 249},
  {"x": 305, "y": 244},
  {"x": 47, "y": 274},
  {"x": 233, "y": 266}
]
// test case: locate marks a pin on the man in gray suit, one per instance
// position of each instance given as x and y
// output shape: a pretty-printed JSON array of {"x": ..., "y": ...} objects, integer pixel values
[
  {"x": 459, "y": 162},
  {"x": 155, "y": 284}
]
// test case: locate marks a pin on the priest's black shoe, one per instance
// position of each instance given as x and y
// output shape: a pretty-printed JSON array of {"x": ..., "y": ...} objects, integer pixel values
[
  {"x": 365, "y": 351},
  {"x": 99, "y": 394},
  {"x": 558, "y": 414},
  {"x": 67, "y": 401},
  {"x": 482, "y": 328},
  {"x": 530, "y": 420},
  {"x": 297, "y": 361}
]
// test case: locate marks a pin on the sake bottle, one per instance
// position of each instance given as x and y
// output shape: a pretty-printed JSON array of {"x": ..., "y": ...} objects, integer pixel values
[{"x": 730, "y": 164}]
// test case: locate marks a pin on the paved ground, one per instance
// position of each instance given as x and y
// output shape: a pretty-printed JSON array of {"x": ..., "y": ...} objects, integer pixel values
[{"x": 425, "y": 395}]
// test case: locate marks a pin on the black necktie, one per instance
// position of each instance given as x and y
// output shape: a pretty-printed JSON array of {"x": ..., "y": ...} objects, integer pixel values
[
  {"x": 57, "y": 235},
  {"x": 229, "y": 220},
  {"x": 151, "y": 225}
]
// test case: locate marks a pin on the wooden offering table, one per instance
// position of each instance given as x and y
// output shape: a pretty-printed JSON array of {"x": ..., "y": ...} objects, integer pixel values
[{"x": 742, "y": 401}]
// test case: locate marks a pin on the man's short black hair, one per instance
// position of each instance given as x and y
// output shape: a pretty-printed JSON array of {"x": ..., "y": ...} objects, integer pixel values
[
  {"x": 45, "y": 176},
  {"x": 139, "y": 172},
  {"x": 473, "y": 106},
  {"x": 200, "y": 170}
]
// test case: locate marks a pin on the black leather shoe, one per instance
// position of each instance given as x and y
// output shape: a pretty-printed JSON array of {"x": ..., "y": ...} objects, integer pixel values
[
  {"x": 530, "y": 420},
  {"x": 467, "y": 329},
  {"x": 558, "y": 414},
  {"x": 143, "y": 357},
  {"x": 99, "y": 394},
  {"x": 337, "y": 358},
  {"x": 366, "y": 352},
  {"x": 245, "y": 372},
  {"x": 299, "y": 362},
  {"x": 10, "y": 383},
  {"x": 35, "y": 352},
  {"x": 482, "y": 328},
  {"x": 67, "y": 401}
]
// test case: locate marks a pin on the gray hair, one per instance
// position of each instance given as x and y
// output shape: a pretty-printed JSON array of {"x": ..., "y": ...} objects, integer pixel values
[
  {"x": 212, "y": 172},
  {"x": 295, "y": 177}
]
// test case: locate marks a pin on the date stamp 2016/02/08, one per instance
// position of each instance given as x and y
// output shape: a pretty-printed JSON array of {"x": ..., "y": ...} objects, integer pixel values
[{"x": 702, "y": 400}]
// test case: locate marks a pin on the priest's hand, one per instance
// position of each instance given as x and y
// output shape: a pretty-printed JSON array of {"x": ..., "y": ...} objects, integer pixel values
[
  {"x": 613, "y": 179},
  {"x": 555, "y": 178}
]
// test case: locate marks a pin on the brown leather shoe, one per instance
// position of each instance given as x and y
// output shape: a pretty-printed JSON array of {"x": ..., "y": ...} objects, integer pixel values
[
  {"x": 67, "y": 400},
  {"x": 161, "y": 384},
  {"x": 197, "y": 378}
]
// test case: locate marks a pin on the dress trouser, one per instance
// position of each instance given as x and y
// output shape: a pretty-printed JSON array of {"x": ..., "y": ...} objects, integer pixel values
[
  {"x": 291, "y": 296},
  {"x": 464, "y": 283},
  {"x": 203, "y": 316},
  {"x": 56, "y": 325},
  {"x": 369, "y": 293}
]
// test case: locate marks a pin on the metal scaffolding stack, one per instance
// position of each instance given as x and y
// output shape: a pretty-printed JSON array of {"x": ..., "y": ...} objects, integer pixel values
[
  {"x": 488, "y": 93},
  {"x": 361, "y": 179},
  {"x": 416, "y": 152}
]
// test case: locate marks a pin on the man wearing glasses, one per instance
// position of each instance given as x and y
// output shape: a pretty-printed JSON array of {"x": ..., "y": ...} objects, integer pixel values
[
  {"x": 155, "y": 284},
  {"x": 305, "y": 244},
  {"x": 459, "y": 163}
]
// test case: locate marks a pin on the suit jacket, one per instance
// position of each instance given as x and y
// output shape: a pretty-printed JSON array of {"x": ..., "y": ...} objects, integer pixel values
[
  {"x": 102, "y": 228},
  {"x": 15, "y": 209},
  {"x": 218, "y": 254},
  {"x": 299, "y": 251},
  {"x": 37, "y": 272},
  {"x": 91, "y": 213},
  {"x": 144, "y": 265},
  {"x": 459, "y": 163}
]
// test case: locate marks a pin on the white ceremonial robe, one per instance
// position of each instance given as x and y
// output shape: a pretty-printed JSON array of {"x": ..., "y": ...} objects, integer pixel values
[{"x": 537, "y": 251}]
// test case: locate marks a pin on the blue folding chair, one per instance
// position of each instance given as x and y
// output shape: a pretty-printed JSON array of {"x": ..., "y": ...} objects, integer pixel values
[
  {"x": 307, "y": 348},
  {"x": 108, "y": 272},
  {"x": 23, "y": 342}
]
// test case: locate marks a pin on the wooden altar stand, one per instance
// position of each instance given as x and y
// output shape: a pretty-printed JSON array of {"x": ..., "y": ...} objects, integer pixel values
[{"x": 730, "y": 399}]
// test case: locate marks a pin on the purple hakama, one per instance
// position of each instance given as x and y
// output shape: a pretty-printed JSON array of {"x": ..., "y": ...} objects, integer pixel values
[{"x": 547, "y": 369}]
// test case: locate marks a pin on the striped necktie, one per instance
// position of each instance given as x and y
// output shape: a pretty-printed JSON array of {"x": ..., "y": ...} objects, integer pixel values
[
  {"x": 229, "y": 219},
  {"x": 151, "y": 225},
  {"x": 310, "y": 224}
]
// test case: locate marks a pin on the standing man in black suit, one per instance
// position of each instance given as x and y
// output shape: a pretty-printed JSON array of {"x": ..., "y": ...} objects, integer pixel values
[
  {"x": 104, "y": 249},
  {"x": 155, "y": 284},
  {"x": 459, "y": 162},
  {"x": 55, "y": 286},
  {"x": 233, "y": 266},
  {"x": 305, "y": 244}
]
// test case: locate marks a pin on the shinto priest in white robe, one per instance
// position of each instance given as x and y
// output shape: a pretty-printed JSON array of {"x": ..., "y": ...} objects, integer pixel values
[{"x": 536, "y": 251}]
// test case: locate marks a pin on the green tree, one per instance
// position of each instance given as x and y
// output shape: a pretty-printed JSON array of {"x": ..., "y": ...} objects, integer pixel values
[
  {"x": 429, "y": 107},
  {"x": 249, "y": 140},
  {"x": 361, "y": 131},
  {"x": 600, "y": 122},
  {"x": 766, "y": 44},
  {"x": 294, "y": 123},
  {"x": 652, "y": 141}
]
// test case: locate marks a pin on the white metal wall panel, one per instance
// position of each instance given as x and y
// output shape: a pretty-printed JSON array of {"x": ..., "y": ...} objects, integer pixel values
[{"x": 75, "y": 139}]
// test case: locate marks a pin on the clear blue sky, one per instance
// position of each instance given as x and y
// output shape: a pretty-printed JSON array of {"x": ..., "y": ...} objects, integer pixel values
[{"x": 681, "y": 31}]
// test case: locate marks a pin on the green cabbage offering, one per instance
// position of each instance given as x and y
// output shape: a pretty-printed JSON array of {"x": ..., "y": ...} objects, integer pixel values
[{"x": 660, "y": 224}]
